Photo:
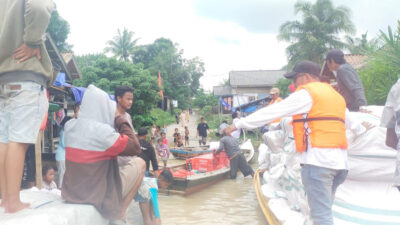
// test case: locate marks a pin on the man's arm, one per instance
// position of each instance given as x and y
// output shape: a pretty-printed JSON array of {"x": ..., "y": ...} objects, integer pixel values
[
  {"x": 37, "y": 16},
  {"x": 391, "y": 138},
  {"x": 221, "y": 146},
  {"x": 297, "y": 103},
  {"x": 133, "y": 146}
]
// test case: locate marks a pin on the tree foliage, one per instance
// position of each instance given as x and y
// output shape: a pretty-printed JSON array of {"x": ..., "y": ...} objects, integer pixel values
[
  {"x": 180, "y": 76},
  {"x": 283, "y": 85},
  {"x": 108, "y": 73},
  {"x": 203, "y": 99},
  {"x": 360, "y": 45},
  {"x": 58, "y": 29},
  {"x": 317, "y": 32},
  {"x": 383, "y": 67},
  {"x": 122, "y": 45}
]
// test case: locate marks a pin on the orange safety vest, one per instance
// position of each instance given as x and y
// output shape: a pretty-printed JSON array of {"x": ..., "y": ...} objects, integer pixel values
[
  {"x": 326, "y": 119},
  {"x": 273, "y": 102}
]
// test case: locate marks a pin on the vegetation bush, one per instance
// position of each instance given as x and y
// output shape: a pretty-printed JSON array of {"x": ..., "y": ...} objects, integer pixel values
[
  {"x": 202, "y": 99},
  {"x": 383, "y": 67},
  {"x": 283, "y": 85},
  {"x": 160, "y": 117}
]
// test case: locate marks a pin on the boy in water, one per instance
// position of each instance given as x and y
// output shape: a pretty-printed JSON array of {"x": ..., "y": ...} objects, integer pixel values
[
  {"x": 175, "y": 137},
  {"x": 179, "y": 140},
  {"x": 186, "y": 136}
]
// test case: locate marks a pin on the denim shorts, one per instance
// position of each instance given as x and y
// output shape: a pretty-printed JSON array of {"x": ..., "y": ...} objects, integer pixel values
[{"x": 23, "y": 106}]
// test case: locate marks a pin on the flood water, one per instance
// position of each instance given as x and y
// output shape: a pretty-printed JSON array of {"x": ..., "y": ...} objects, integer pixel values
[
  {"x": 224, "y": 203},
  {"x": 227, "y": 202}
]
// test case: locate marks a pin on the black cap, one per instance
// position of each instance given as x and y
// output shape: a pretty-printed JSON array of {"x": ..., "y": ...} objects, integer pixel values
[
  {"x": 142, "y": 131},
  {"x": 336, "y": 55},
  {"x": 304, "y": 67}
]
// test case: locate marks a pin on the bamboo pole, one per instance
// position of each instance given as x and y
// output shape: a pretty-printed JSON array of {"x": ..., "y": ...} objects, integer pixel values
[{"x": 38, "y": 160}]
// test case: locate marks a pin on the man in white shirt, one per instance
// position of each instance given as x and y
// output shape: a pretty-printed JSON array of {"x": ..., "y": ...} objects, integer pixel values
[
  {"x": 235, "y": 118},
  {"x": 391, "y": 120},
  {"x": 320, "y": 119}
]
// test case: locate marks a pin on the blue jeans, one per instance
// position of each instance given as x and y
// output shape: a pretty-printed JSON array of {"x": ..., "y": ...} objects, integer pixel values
[{"x": 320, "y": 185}]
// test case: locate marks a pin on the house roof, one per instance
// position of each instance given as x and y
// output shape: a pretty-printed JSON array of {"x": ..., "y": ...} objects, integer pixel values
[
  {"x": 255, "y": 78},
  {"x": 222, "y": 90},
  {"x": 56, "y": 60},
  {"x": 72, "y": 65},
  {"x": 357, "y": 61}
]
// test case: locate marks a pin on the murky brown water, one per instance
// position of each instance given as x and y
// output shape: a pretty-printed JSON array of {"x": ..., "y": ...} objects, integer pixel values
[{"x": 227, "y": 202}]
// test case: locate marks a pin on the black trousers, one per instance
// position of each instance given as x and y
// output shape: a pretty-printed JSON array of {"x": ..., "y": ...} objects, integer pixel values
[{"x": 240, "y": 163}]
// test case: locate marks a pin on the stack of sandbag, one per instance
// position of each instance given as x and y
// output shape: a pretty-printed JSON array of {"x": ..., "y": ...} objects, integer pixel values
[
  {"x": 366, "y": 197},
  {"x": 282, "y": 182}
]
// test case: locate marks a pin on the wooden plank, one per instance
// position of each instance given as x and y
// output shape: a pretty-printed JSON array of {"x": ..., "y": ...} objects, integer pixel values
[{"x": 38, "y": 159}]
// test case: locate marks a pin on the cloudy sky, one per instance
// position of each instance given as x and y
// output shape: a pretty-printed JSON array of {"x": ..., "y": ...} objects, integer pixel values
[{"x": 226, "y": 34}]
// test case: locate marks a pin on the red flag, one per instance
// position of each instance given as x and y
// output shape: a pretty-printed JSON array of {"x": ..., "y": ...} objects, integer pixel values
[{"x": 159, "y": 84}]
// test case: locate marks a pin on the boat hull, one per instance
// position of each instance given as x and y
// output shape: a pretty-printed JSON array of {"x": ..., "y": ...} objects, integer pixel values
[
  {"x": 186, "y": 154},
  {"x": 263, "y": 201},
  {"x": 196, "y": 182}
]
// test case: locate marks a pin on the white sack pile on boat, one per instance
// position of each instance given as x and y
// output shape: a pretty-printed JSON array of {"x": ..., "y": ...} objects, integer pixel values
[{"x": 366, "y": 197}]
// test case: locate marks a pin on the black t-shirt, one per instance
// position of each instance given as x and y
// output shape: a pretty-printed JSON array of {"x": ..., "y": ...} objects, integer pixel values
[
  {"x": 148, "y": 154},
  {"x": 202, "y": 128}
]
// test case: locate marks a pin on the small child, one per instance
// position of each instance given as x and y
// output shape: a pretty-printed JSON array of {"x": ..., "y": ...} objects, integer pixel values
[
  {"x": 175, "y": 137},
  {"x": 179, "y": 140},
  {"x": 163, "y": 151},
  {"x": 164, "y": 138},
  {"x": 48, "y": 178},
  {"x": 186, "y": 136}
]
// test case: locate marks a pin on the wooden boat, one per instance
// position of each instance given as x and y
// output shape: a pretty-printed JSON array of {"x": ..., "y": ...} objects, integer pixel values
[
  {"x": 263, "y": 201},
  {"x": 202, "y": 171},
  {"x": 189, "y": 152}
]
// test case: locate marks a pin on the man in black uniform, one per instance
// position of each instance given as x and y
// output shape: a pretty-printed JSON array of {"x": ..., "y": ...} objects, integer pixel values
[{"x": 148, "y": 153}]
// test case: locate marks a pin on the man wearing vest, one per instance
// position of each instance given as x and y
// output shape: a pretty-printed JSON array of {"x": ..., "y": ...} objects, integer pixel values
[
  {"x": 274, "y": 93},
  {"x": 320, "y": 119}
]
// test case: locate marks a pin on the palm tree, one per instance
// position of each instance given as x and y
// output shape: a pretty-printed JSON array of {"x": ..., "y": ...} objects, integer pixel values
[
  {"x": 361, "y": 45},
  {"x": 317, "y": 32},
  {"x": 122, "y": 45}
]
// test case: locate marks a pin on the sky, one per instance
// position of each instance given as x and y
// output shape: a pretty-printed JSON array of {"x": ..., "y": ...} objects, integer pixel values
[{"x": 225, "y": 34}]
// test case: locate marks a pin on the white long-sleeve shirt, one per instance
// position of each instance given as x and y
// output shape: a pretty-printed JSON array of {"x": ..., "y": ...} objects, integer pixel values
[
  {"x": 236, "y": 133},
  {"x": 300, "y": 102}
]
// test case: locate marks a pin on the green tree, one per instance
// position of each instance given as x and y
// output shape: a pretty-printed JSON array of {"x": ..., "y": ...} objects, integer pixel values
[
  {"x": 108, "y": 73},
  {"x": 203, "y": 99},
  {"x": 383, "y": 67},
  {"x": 360, "y": 45},
  {"x": 180, "y": 76},
  {"x": 317, "y": 32},
  {"x": 283, "y": 85},
  {"x": 58, "y": 29},
  {"x": 122, "y": 45}
]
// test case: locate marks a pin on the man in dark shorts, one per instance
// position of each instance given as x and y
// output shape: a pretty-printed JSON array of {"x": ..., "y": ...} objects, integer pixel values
[
  {"x": 202, "y": 129},
  {"x": 235, "y": 154}
]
